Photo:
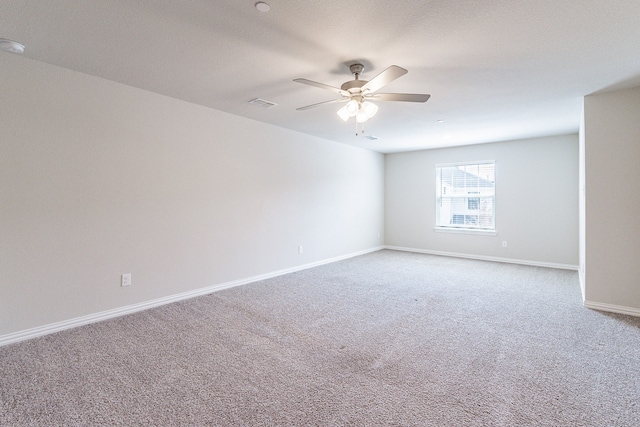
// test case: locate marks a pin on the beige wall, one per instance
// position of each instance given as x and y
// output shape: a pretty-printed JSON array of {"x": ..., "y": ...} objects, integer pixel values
[
  {"x": 536, "y": 201},
  {"x": 612, "y": 200},
  {"x": 99, "y": 179}
]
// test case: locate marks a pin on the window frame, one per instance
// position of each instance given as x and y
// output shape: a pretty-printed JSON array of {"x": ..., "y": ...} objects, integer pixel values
[{"x": 450, "y": 228}]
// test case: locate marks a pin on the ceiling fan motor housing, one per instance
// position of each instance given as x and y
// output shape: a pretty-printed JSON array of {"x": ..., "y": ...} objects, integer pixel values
[{"x": 353, "y": 84}]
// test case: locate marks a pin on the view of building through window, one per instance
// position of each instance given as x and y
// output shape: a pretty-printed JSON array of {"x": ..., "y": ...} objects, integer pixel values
[{"x": 465, "y": 196}]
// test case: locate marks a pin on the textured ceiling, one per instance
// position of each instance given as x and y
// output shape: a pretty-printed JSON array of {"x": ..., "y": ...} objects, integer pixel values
[{"x": 495, "y": 69}]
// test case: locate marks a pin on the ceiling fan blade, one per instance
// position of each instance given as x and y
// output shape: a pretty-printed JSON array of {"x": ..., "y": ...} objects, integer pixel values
[
  {"x": 321, "y": 103},
  {"x": 406, "y": 97},
  {"x": 384, "y": 78},
  {"x": 322, "y": 86}
]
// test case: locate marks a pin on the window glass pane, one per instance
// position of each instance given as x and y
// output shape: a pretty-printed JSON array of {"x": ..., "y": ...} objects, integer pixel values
[{"x": 473, "y": 203}]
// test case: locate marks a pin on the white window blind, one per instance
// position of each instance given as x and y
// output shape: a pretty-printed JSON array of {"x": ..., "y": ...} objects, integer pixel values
[{"x": 465, "y": 196}]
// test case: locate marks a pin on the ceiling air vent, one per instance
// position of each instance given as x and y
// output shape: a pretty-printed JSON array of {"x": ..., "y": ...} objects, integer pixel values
[{"x": 262, "y": 103}]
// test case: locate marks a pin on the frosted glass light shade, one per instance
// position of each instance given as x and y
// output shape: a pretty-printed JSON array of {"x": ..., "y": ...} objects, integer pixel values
[
  {"x": 362, "y": 116},
  {"x": 349, "y": 110},
  {"x": 370, "y": 108},
  {"x": 352, "y": 107},
  {"x": 343, "y": 113},
  {"x": 366, "y": 111}
]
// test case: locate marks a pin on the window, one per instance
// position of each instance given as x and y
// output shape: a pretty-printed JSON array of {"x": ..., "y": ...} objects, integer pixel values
[{"x": 465, "y": 196}]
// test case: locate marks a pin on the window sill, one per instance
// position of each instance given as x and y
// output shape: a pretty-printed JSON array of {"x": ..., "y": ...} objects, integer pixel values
[{"x": 465, "y": 231}]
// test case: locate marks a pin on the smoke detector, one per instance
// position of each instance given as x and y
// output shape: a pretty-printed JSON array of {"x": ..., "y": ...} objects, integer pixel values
[
  {"x": 11, "y": 46},
  {"x": 263, "y": 7}
]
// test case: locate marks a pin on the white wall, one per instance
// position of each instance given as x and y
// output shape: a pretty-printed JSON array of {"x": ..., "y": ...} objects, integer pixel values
[
  {"x": 612, "y": 201},
  {"x": 536, "y": 201},
  {"x": 99, "y": 179}
]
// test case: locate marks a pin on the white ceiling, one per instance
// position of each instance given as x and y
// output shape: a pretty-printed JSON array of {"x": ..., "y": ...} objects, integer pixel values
[{"x": 496, "y": 69}]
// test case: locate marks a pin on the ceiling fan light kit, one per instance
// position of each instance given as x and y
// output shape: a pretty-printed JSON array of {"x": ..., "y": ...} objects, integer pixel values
[
  {"x": 362, "y": 111},
  {"x": 357, "y": 93}
]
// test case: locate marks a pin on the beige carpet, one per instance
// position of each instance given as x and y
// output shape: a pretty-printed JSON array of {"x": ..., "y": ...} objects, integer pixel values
[{"x": 388, "y": 338}]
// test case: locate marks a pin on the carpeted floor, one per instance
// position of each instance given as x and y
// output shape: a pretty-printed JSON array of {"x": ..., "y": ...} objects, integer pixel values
[{"x": 388, "y": 338}]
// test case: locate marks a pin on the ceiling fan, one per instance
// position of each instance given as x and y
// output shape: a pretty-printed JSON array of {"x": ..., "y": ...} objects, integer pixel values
[{"x": 358, "y": 93}]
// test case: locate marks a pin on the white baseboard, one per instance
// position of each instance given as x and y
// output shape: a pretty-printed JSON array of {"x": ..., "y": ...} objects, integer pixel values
[
  {"x": 129, "y": 309},
  {"x": 631, "y": 311},
  {"x": 487, "y": 258}
]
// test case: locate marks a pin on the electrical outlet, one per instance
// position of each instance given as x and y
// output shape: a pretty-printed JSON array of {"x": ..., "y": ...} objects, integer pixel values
[
  {"x": 126, "y": 280},
  {"x": 504, "y": 243},
  {"x": 300, "y": 249}
]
